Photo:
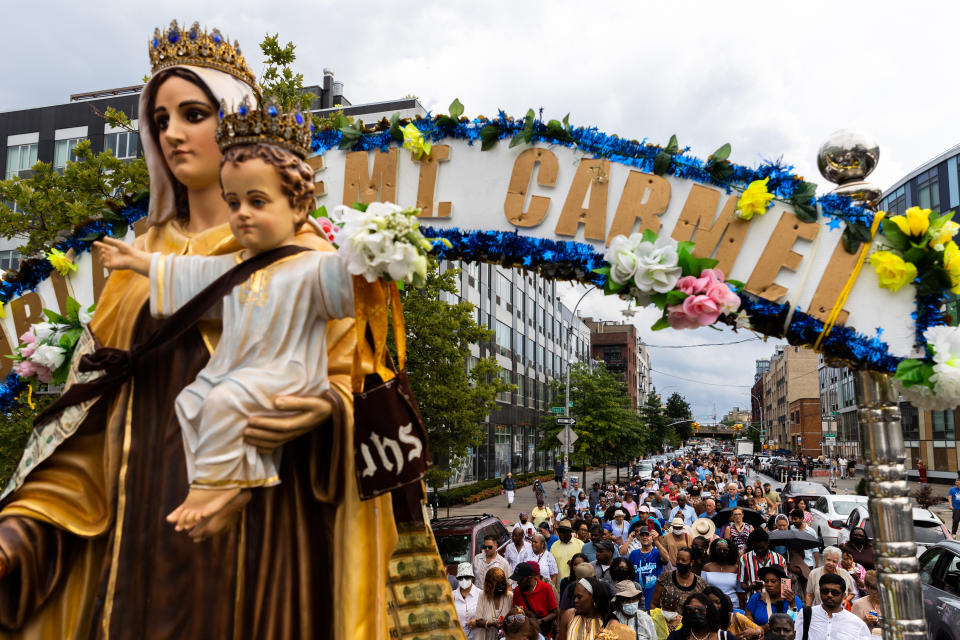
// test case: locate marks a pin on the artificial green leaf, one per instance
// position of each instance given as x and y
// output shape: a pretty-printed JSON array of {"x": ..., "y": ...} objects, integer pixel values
[
  {"x": 73, "y": 309},
  {"x": 566, "y": 122},
  {"x": 445, "y": 122},
  {"x": 456, "y": 108},
  {"x": 140, "y": 195},
  {"x": 489, "y": 136},
  {"x": 721, "y": 171},
  {"x": 517, "y": 139},
  {"x": 707, "y": 263},
  {"x": 805, "y": 191},
  {"x": 675, "y": 297},
  {"x": 359, "y": 206},
  {"x": 804, "y": 211},
  {"x": 661, "y": 162},
  {"x": 688, "y": 264},
  {"x": 912, "y": 372},
  {"x": 69, "y": 338},
  {"x": 861, "y": 231},
  {"x": 720, "y": 154},
  {"x": 662, "y": 323},
  {"x": 897, "y": 238},
  {"x": 673, "y": 146},
  {"x": 395, "y": 131},
  {"x": 851, "y": 244},
  {"x": 603, "y": 271},
  {"x": 649, "y": 235},
  {"x": 659, "y": 300},
  {"x": 686, "y": 245},
  {"x": 55, "y": 317},
  {"x": 119, "y": 229},
  {"x": 320, "y": 213},
  {"x": 91, "y": 237},
  {"x": 60, "y": 375},
  {"x": 736, "y": 283}
]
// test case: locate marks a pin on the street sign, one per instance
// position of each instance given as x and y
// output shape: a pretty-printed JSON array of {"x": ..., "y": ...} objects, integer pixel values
[
  {"x": 830, "y": 439},
  {"x": 571, "y": 404},
  {"x": 556, "y": 409},
  {"x": 830, "y": 435},
  {"x": 565, "y": 433},
  {"x": 569, "y": 421}
]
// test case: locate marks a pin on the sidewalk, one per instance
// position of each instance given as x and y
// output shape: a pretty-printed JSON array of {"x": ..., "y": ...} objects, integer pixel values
[{"x": 525, "y": 500}]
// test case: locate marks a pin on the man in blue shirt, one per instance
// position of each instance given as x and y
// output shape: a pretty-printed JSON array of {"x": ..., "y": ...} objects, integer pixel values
[
  {"x": 649, "y": 560},
  {"x": 955, "y": 504},
  {"x": 683, "y": 510}
]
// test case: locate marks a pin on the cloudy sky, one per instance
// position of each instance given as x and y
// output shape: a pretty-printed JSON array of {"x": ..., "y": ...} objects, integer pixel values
[{"x": 773, "y": 79}]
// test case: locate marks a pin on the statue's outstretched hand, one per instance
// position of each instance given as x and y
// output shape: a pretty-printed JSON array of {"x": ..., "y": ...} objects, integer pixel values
[{"x": 119, "y": 255}]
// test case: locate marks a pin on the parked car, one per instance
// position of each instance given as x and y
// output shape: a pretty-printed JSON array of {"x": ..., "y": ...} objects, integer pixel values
[
  {"x": 645, "y": 469},
  {"x": 940, "y": 575},
  {"x": 796, "y": 489},
  {"x": 764, "y": 463},
  {"x": 830, "y": 514},
  {"x": 928, "y": 528},
  {"x": 459, "y": 539}
]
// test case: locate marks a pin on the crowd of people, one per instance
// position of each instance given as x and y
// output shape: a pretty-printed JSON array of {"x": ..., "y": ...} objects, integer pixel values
[{"x": 685, "y": 553}]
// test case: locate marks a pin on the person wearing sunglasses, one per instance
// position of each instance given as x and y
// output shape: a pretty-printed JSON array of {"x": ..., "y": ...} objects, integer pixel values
[
  {"x": 518, "y": 626},
  {"x": 829, "y": 620},
  {"x": 487, "y": 559}
]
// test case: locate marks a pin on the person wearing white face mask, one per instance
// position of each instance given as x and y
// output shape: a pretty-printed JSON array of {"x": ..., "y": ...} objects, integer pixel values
[
  {"x": 626, "y": 607},
  {"x": 465, "y": 599},
  {"x": 676, "y": 539}
]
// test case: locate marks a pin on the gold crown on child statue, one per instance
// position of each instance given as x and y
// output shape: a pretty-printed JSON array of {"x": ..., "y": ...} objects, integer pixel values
[
  {"x": 267, "y": 125},
  {"x": 175, "y": 46}
]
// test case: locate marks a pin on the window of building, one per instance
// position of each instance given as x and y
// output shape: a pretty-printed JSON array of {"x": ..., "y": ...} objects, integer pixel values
[
  {"x": 530, "y": 350},
  {"x": 9, "y": 259},
  {"x": 518, "y": 344},
  {"x": 504, "y": 290},
  {"x": 942, "y": 425},
  {"x": 897, "y": 201},
  {"x": 506, "y": 376},
  {"x": 540, "y": 357},
  {"x": 123, "y": 144},
  {"x": 910, "y": 419},
  {"x": 20, "y": 158},
  {"x": 928, "y": 190},
  {"x": 503, "y": 338},
  {"x": 63, "y": 152}
]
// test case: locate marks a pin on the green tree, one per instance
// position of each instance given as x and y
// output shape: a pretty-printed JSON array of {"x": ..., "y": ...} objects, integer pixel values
[
  {"x": 15, "y": 428},
  {"x": 606, "y": 424},
  {"x": 677, "y": 408},
  {"x": 279, "y": 80},
  {"x": 655, "y": 420},
  {"x": 50, "y": 201},
  {"x": 454, "y": 402}
]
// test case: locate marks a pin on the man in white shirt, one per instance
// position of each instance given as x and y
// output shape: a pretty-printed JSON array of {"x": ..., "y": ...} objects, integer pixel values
[
  {"x": 487, "y": 559},
  {"x": 538, "y": 553},
  {"x": 829, "y": 620},
  {"x": 515, "y": 548}
]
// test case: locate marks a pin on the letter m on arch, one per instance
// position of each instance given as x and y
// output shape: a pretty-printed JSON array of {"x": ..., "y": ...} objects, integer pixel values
[{"x": 361, "y": 184}]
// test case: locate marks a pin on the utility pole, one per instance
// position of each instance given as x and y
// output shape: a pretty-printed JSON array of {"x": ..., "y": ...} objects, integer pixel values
[{"x": 566, "y": 401}]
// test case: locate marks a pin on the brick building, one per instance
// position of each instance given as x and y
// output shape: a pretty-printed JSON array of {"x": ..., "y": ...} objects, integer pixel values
[
  {"x": 619, "y": 346},
  {"x": 792, "y": 378}
]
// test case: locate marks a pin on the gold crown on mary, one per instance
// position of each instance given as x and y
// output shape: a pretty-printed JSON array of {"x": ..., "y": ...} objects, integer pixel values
[
  {"x": 197, "y": 47},
  {"x": 266, "y": 125}
]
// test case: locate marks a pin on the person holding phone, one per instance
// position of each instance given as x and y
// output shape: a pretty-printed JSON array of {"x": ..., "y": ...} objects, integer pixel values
[{"x": 777, "y": 596}]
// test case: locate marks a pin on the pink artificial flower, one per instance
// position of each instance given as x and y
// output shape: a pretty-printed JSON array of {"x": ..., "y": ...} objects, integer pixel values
[
  {"x": 44, "y": 374},
  {"x": 715, "y": 275},
  {"x": 701, "y": 309},
  {"x": 725, "y": 299},
  {"x": 25, "y": 368},
  {"x": 679, "y": 319},
  {"x": 27, "y": 350},
  {"x": 688, "y": 284},
  {"x": 28, "y": 337}
]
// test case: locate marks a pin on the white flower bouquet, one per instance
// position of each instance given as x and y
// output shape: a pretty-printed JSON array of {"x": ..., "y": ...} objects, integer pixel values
[
  {"x": 933, "y": 384},
  {"x": 46, "y": 348},
  {"x": 381, "y": 240}
]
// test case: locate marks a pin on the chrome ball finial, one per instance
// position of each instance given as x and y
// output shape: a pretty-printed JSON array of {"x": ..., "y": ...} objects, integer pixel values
[{"x": 847, "y": 156}]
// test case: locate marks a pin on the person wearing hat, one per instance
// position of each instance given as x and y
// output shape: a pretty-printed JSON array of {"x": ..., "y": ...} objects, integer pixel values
[
  {"x": 565, "y": 547},
  {"x": 601, "y": 566},
  {"x": 628, "y": 610},
  {"x": 465, "y": 598},
  {"x": 776, "y": 596},
  {"x": 676, "y": 538},
  {"x": 620, "y": 527},
  {"x": 649, "y": 559},
  {"x": 534, "y": 596},
  {"x": 704, "y": 528}
]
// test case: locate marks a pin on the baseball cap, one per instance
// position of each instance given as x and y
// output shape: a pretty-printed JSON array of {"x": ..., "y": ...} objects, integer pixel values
[{"x": 523, "y": 570}]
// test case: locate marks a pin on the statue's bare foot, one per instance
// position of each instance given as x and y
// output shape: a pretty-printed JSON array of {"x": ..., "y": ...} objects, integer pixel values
[
  {"x": 201, "y": 503},
  {"x": 221, "y": 521}
]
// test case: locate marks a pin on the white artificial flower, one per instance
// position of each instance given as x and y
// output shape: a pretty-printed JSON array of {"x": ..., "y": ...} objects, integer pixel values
[
  {"x": 945, "y": 341},
  {"x": 49, "y": 356},
  {"x": 43, "y": 330},
  {"x": 84, "y": 316},
  {"x": 657, "y": 268},
  {"x": 622, "y": 256},
  {"x": 946, "y": 381},
  {"x": 922, "y": 397}
]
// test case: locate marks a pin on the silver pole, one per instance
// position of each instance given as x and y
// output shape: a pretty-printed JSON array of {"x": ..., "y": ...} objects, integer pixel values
[
  {"x": 846, "y": 159},
  {"x": 566, "y": 404}
]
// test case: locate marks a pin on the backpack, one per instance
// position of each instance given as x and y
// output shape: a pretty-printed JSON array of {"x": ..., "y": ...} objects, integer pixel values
[{"x": 807, "y": 617}]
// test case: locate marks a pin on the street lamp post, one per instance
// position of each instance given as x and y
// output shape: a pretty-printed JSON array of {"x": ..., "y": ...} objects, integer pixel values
[{"x": 566, "y": 403}]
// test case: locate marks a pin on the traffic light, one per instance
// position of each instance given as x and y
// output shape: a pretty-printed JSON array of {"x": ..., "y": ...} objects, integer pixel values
[
  {"x": 738, "y": 427},
  {"x": 695, "y": 426}
]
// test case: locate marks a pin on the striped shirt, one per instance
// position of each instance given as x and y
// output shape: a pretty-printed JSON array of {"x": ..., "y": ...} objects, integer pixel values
[{"x": 749, "y": 565}]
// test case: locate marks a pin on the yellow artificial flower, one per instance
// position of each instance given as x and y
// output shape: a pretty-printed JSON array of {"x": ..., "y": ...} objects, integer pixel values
[
  {"x": 60, "y": 262},
  {"x": 754, "y": 200},
  {"x": 892, "y": 270},
  {"x": 945, "y": 235},
  {"x": 414, "y": 141},
  {"x": 951, "y": 264},
  {"x": 915, "y": 223}
]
